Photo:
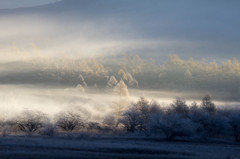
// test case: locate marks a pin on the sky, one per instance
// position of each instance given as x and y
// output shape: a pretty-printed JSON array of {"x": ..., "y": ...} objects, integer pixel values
[
  {"x": 5, "y": 4},
  {"x": 151, "y": 28}
]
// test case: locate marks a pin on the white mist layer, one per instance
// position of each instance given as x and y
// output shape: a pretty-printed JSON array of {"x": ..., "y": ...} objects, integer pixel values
[{"x": 92, "y": 106}]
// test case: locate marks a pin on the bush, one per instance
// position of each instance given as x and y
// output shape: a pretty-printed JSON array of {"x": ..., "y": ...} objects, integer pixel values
[
  {"x": 7, "y": 127},
  {"x": 93, "y": 127},
  {"x": 109, "y": 120},
  {"x": 48, "y": 130}
]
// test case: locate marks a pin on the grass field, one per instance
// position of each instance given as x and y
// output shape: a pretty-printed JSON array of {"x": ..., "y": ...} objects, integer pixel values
[{"x": 112, "y": 147}]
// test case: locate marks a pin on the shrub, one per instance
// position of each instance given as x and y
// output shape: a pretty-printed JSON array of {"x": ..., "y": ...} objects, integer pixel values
[{"x": 48, "y": 130}]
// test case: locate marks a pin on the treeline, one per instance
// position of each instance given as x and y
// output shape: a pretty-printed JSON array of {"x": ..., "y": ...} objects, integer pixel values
[
  {"x": 178, "y": 74},
  {"x": 174, "y": 74},
  {"x": 201, "y": 75},
  {"x": 202, "y": 121},
  {"x": 178, "y": 120}
]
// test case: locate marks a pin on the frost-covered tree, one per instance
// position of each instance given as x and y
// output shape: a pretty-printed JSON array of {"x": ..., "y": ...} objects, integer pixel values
[
  {"x": 122, "y": 75},
  {"x": 112, "y": 82},
  {"x": 80, "y": 88},
  {"x": 122, "y": 99},
  {"x": 180, "y": 107},
  {"x": 214, "y": 125},
  {"x": 155, "y": 108},
  {"x": 133, "y": 83},
  {"x": 121, "y": 89},
  {"x": 208, "y": 105},
  {"x": 143, "y": 107},
  {"x": 172, "y": 125},
  {"x": 188, "y": 75},
  {"x": 82, "y": 80},
  {"x": 130, "y": 119},
  {"x": 129, "y": 76},
  {"x": 208, "y": 124}
]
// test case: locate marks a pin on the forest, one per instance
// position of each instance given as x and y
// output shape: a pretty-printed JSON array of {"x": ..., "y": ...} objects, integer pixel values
[{"x": 174, "y": 74}]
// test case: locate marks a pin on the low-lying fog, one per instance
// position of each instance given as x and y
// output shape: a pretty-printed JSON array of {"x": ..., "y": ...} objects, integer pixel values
[
  {"x": 93, "y": 104},
  {"x": 35, "y": 41}
]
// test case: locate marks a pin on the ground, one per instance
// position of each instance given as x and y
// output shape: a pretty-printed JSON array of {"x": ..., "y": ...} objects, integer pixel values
[{"x": 112, "y": 147}]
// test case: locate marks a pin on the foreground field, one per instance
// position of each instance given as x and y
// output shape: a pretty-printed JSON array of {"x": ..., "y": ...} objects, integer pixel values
[{"x": 108, "y": 147}]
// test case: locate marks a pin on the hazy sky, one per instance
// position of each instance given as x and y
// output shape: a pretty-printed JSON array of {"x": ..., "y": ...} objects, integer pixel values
[
  {"x": 151, "y": 28},
  {"x": 22, "y": 3}
]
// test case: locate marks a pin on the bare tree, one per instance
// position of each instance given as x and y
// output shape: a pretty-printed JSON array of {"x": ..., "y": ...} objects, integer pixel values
[
  {"x": 69, "y": 121},
  {"x": 31, "y": 121}
]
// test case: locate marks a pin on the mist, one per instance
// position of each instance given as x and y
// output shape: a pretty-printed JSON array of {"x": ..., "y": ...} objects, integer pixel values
[
  {"x": 119, "y": 79},
  {"x": 71, "y": 27},
  {"x": 47, "y": 45}
]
